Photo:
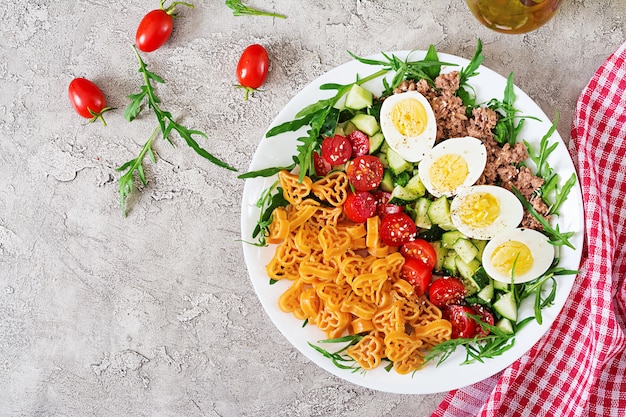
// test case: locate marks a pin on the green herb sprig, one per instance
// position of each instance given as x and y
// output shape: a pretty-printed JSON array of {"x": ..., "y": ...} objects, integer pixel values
[
  {"x": 339, "y": 358},
  {"x": 240, "y": 9},
  {"x": 167, "y": 124}
]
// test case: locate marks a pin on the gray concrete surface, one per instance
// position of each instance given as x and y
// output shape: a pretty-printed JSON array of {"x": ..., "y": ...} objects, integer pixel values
[{"x": 154, "y": 314}]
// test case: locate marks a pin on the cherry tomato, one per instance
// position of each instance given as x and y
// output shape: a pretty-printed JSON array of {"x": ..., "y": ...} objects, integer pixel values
[
  {"x": 360, "y": 206},
  {"x": 463, "y": 326},
  {"x": 445, "y": 291},
  {"x": 252, "y": 68},
  {"x": 87, "y": 99},
  {"x": 322, "y": 167},
  {"x": 416, "y": 273},
  {"x": 485, "y": 316},
  {"x": 365, "y": 172},
  {"x": 360, "y": 143},
  {"x": 421, "y": 250},
  {"x": 336, "y": 150},
  {"x": 397, "y": 229},
  {"x": 383, "y": 207},
  {"x": 154, "y": 30}
]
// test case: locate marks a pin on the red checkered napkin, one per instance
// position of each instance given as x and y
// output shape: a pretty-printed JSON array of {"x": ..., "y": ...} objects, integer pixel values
[{"x": 579, "y": 367}]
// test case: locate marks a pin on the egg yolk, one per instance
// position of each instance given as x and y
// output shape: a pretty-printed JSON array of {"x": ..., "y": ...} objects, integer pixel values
[
  {"x": 409, "y": 117},
  {"x": 448, "y": 172},
  {"x": 479, "y": 210},
  {"x": 511, "y": 255}
]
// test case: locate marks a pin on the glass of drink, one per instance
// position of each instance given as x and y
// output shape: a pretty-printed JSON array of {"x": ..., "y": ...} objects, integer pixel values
[{"x": 513, "y": 16}]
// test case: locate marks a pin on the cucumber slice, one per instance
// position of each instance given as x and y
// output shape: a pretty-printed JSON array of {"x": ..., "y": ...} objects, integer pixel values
[
  {"x": 376, "y": 141},
  {"x": 358, "y": 98},
  {"x": 397, "y": 164},
  {"x": 416, "y": 186},
  {"x": 466, "y": 271},
  {"x": 499, "y": 285},
  {"x": 439, "y": 211},
  {"x": 465, "y": 249},
  {"x": 449, "y": 263},
  {"x": 505, "y": 325},
  {"x": 506, "y": 306},
  {"x": 366, "y": 123},
  {"x": 448, "y": 239},
  {"x": 441, "y": 255},
  {"x": 486, "y": 293},
  {"x": 421, "y": 209},
  {"x": 387, "y": 182},
  {"x": 480, "y": 245}
]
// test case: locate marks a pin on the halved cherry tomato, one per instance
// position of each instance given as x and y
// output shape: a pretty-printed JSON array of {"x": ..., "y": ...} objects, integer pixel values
[
  {"x": 383, "y": 207},
  {"x": 360, "y": 143},
  {"x": 416, "y": 273},
  {"x": 336, "y": 150},
  {"x": 485, "y": 316},
  {"x": 397, "y": 229},
  {"x": 154, "y": 30},
  {"x": 322, "y": 167},
  {"x": 365, "y": 172},
  {"x": 87, "y": 99},
  {"x": 360, "y": 206},
  {"x": 445, "y": 291},
  {"x": 252, "y": 68},
  {"x": 421, "y": 250},
  {"x": 463, "y": 326}
]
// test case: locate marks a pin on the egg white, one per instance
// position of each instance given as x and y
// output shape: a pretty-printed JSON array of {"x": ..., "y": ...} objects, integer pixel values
[
  {"x": 470, "y": 149},
  {"x": 410, "y": 148},
  {"x": 542, "y": 251},
  {"x": 510, "y": 216}
]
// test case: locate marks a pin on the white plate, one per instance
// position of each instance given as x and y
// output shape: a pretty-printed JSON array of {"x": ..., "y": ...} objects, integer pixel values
[{"x": 278, "y": 150}]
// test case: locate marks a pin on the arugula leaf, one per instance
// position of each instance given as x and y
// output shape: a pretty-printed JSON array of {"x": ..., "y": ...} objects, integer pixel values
[
  {"x": 472, "y": 68},
  {"x": 240, "y": 9},
  {"x": 166, "y": 124}
]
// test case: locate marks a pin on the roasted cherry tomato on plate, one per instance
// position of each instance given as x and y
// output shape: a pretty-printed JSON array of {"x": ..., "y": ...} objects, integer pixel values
[
  {"x": 360, "y": 206},
  {"x": 365, "y": 172},
  {"x": 383, "y": 207},
  {"x": 87, "y": 98},
  {"x": 360, "y": 143},
  {"x": 445, "y": 291},
  {"x": 421, "y": 250},
  {"x": 252, "y": 68},
  {"x": 397, "y": 229},
  {"x": 336, "y": 150},
  {"x": 485, "y": 316},
  {"x": 463, "y": 326},
  {"x": 156, "y": 27},
  {"x": 417, "y": 274}
]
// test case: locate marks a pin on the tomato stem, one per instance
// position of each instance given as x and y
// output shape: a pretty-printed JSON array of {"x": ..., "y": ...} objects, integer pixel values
[
  {"x": 98, "y": 115},
  {"x": 170, "y": 10}
]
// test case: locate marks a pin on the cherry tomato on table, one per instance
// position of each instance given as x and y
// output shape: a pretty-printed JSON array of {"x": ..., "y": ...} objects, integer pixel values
[
  {"x": 397, "y": 229},
  {"x": 156, "y": 27},
  {"x": 87, "y": 98},
  {"x": 417, "y": 274},
  {"x": 463, "y": 326},
  {"x": 336, "y": 150},
  {"x": 365, "y": 172},
  {"x": 445, "y": 291},
  {"x": 360, "y": 206},
  {"x": 421, "y": 250},
  {"x": 252, "y": 68}
]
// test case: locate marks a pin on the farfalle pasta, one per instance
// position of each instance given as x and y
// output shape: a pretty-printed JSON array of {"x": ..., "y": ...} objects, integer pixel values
[{"x": 346, "y": 280}]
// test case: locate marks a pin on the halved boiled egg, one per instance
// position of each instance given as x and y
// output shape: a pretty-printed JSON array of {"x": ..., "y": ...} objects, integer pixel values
[
  {"x": 452, "y": 165},
  {"x": 484, "y": 211},
  {"x": 408, "y": 124},
  {"x": 518, "y": 255}
]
